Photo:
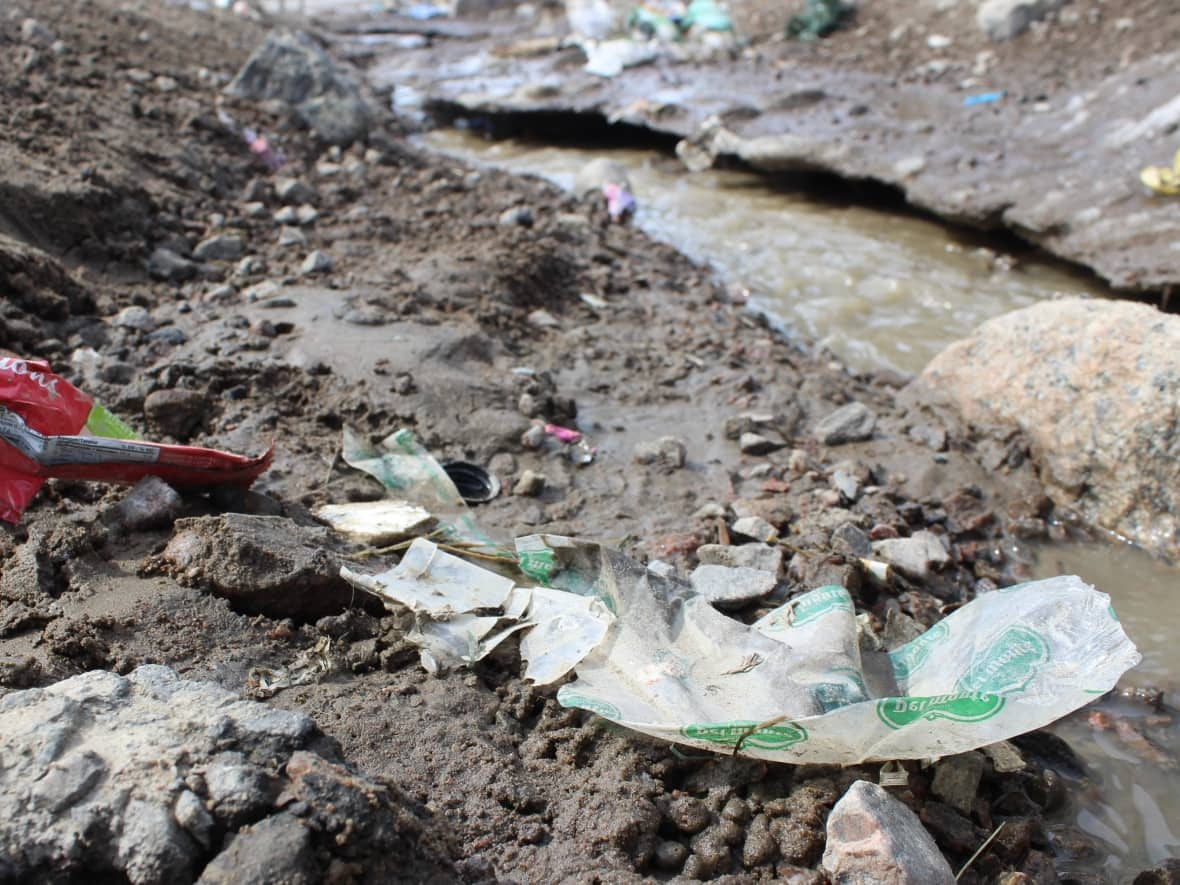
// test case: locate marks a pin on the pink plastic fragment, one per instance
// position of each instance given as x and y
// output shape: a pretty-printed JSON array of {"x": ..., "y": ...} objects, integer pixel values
[
  {"x": 564, "y": 434},
  {"x": 619, "y": 201}
]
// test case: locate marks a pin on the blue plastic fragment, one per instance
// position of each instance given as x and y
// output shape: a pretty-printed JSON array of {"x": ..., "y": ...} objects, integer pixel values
[{"x": 982, "y": 98}]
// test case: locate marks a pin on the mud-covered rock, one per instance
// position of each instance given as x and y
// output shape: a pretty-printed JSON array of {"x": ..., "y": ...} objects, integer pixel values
[
  {"x": 176, "y": 413},
  {"x": 875, "y": 840},
  {"x": 293, "y": 68},
  {"x": 261, "y": 564},
  {"x": 1092, "y": 386},
  {"x": 151, "y": 504},
  {"x": 851, "y": 423},
  {"x": 132, "y": 777}
]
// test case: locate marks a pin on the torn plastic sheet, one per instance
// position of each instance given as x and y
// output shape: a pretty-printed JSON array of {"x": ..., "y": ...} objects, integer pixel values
[
  {"x": 795, "y": 686},
  {"x": 462, "y": 612},
  {"x": 406, "y": 468}
]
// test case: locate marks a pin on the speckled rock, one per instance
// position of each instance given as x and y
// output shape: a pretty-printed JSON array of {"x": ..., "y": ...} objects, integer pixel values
[
  {"x": 875, "y": 840},
  {"x": 1093, "y": 386}
]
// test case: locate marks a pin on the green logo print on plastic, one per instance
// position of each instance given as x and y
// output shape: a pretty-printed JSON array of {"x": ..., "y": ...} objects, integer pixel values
[
  {"x": 772, "y": 737},
  {"x": 537, "y": 564},
  {"x": 1007, "y": 665},
  {"x": 817, "y": 603},
  {"x": 603, "y": 708},
  {"x": 908, "y": 659},
  {"x": 969, "y": 707}
]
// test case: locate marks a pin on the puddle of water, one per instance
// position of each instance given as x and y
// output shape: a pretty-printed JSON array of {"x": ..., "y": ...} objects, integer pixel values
[
  {"x": 877, "y": 288},
  {"x": 1132, "y": 809}
]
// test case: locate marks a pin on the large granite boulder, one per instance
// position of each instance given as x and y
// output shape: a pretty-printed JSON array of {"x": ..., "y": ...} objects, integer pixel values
[{"x": 1095, "y": 388}]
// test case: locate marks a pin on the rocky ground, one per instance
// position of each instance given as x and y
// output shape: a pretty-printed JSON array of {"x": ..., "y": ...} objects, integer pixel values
[{"x": 206, "y": 298}]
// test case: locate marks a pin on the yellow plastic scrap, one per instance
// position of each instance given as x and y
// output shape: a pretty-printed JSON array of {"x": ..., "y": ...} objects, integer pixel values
[{"x": 1163, "y": 180}]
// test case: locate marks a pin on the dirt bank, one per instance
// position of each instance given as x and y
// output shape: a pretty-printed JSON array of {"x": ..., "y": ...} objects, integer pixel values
[{"x": 440, "y": 309}]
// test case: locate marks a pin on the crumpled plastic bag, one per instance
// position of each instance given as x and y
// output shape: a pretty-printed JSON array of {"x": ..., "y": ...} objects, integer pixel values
[
  {"x": 794, "y": 686},
  {"x": 462, "y": 612}
]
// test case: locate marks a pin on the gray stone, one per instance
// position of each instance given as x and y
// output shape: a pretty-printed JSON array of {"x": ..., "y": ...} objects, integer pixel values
[
  {"x": 517, "y": 216},
  {"x": 846, "y": 483},
  {"x": 35, "y": 34},
  {"x": 306, "y": 215},
  {"x": 914, "y": 556},
  {"x": 238, "y": 792},
  {"x": 261, "y": 564},
  {"x": 151, "y": 504},
  {"x": 851, "y": 423},
  {"x": 288, "y": 215},
  {"x": 757, "y": 556},
  {"x": 175, "y": 412},
  {"x": 278, "y": 849},
  {"x": 752, "y": 443},
  {"x": 316, "y": 262},
  {"x": 873, "y": 839},
  {"x": 291, "y": 67},
  {"x": 291, "y": 191},
  {"x": 530, "y": 484},
  {"x": 223, "y": 247},
  {"x": 135, "y": 317},
  {"x": 291, "y": 236},
  {"x": 756, "y": 528},
  {"x": 1004, "y": 19},
  {"x": 723, "y": 585},
  {"x": 956, "y": 781},
  {"x": 851, "y": 541},
  {"x": 667, "y": 450},
  {"x": 1092, "y": 386},
  {"x": 164, "y": 264},
  {"x": 190, "y": 814}
]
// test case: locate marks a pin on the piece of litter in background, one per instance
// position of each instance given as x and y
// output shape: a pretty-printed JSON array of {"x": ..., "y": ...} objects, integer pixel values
[
  {"x": 311, "y": 665},
  {"x": 982, "y": 98}
]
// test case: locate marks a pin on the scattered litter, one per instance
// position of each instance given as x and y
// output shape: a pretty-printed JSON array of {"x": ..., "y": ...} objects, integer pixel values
[
  {"x": 818, "y": 19},
  {"x": 405, "y": 467},
  {"x": 377, "y": 522},
  {"x": 311, "y": 665},
  {"x": 424, "y": 11},
  {"x": 1161, "y": 179},
  {"x": 562, "y": 434},
  {"x": 474, "y": 483},
  {"x": 609, "y": 58},
  {"x": 451, "y": 600},
  {"x": 795, "y": 685},
  {"x": 258, "y": 144},
  {"x": 983, "y": 98},
  {"x": 706, "y": 15},
  {"x": 49, "y": 428}
]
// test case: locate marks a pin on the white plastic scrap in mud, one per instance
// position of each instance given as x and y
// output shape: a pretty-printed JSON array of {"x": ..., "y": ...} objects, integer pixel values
[
  {"x": 654, "y": 656},
  {"x": 462, "y": 612}
]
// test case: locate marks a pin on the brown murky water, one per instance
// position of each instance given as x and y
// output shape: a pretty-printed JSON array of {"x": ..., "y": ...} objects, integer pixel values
[
  {"x": 882, "y": 289},
  {"x": 877, "y": 288}
]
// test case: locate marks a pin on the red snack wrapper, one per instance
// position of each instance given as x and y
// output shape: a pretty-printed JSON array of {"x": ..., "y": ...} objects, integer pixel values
[{"x": 42, "y": 417}]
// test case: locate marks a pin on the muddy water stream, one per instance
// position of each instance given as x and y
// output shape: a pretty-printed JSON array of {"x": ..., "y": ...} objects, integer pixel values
[
  {"x": 877, "y": 288},
  {"x": 880, "y": 288}
]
